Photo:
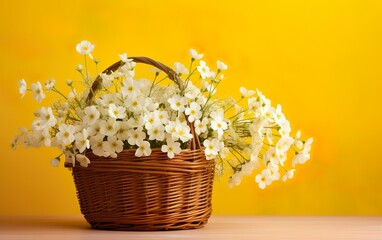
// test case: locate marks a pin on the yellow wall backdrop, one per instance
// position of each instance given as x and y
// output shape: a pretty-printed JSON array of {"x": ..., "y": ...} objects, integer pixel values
[{"x": 321, "y": 59}]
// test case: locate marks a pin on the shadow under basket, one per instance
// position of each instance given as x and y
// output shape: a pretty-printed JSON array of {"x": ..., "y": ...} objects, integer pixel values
[{"x": 146, "y": 193}]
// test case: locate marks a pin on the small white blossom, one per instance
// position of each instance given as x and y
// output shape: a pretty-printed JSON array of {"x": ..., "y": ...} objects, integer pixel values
[
  {"x": 79, "y": 67},
  {"x": 91, "y": 115},
  {"x": 109, "y": 127},
  {"x": 136, "y": 136},
  {"x": 171, "y": 148},
  {"x": 193, "y": 112},
  {"x": 82, "y": 141},
  {"x": 112, "y": 146},
  {"x": 182, "y": 132},
  {"x": 246, "y": 93},
  {"x": 201, "y": 126},
  {"x": 85, "y": 47},
  {"x": 264, "y": 178},
  {"x": 107, "y": 80},
  {"x": 203, "y": 69},
  {"x": 117, "y": 112},
  {"x": 180, "y": 68},
  {"x": 96, "y": 143},
  {"x": 288, "y": 175},
  {"x": 195, "y": 55},
  {"x": 83, "y": 160},
  {"x": 221, "y": 66},
  {"x": 177, "y": 102},
  {"x": 66, "y": 134},
  {"x": 211, "y": 147},
  {"x": 38, "y": 93},
  {"x": 22, "y": 87},
  {"x": 55, "y": 162},
  {"x": 49, "y": 84},
  {"x": 156, "y": 132},
  {"x": 219, "y": 125},
  {"x": 143, "y": 149}
]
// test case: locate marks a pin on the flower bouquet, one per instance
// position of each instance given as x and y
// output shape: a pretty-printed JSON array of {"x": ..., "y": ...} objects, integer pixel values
[{"x": 144, "y": 153}]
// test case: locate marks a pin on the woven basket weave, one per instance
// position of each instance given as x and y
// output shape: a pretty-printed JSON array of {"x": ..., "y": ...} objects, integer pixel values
[{"x": 146, "y": 193}]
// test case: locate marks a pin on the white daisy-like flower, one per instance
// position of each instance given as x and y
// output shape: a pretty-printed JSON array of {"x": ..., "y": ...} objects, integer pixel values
[
  {"x": 177, "y": 102},
  {"x": 235, "y": 179},
  {"x": 288, "y": 175},
  {"x": 82, "y": 141},
  {"x": 107, "y": 80},
  {"x": 83, "y": 160},
  {"x": 117, "y": 112},
  {"x": 195, "y": 55},
  {"x": 156, "y": 132},
  {"x": 171, "y": 148},
  {"x": 193, "y": 112},
  {"x": 135, "y": 136},
  {"x": 66, "y": 134},
  {"x": 91, "y": 115},
  {"x": 85, "y": 47},
  {"x": 96, "y": 143},
  {"x": 221, "y": 66},
  {"x": 123, "y": 130},
  {"x": 201, "y": 126},
  {"x": 180, "y": 68},
  {"x": 112, "y": 146},
  {"x": 182, "y": 132},
  {"x": 219, "y": 125},
  {"x": 211, "y": 147},
  {"x": 109, "y": 127},
  {"x": 246, "y": 93},
  {"x": 203, "y": 69},
  {"x": 22, "y": 87},
  {"x": 264, "y": 178},
  {"x": 49, "y": 84},
  {"x": 38, "y": 93},
  {"x": 143, "y": 149}
]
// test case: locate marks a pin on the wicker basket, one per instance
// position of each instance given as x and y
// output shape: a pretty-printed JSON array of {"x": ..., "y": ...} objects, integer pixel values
[{"x": 146, "y": 193}]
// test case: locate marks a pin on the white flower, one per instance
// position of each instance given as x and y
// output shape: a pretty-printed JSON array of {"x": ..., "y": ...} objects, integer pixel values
[
  {"x": 191, "y": 91},
  {"x": 219, "y": 125},
  {"x": 171, "y": 148},
  {"x": 264, "y": 178},
  {"x": 49, "y": 84},
  {"x": 109, "y": 128},
  {"x": 156, "y": 132},
  {"x": 123, "y": 130},
  {"x": 246, "y": 93},
  {"x": 85, "y": 47},
  {"x": 193, "y": 112},
  {"x": 82, "y": 141},
  {"x": 182, "y": 132},
  {"x": 235, "y": 179},
  {"x": 112, "y": 146},
  {"x": 79, "y": 67},
  {"x": 308, "y": 145},
  {"x": 135, "y": 136},
  {"x": 107, "y": 80},
  {"x": 288, "y": 175},
  {"x": 22, "y": 87},
  {"x": 38, "y": 93},
  {"x": 91, "y": 115},
  {"x": 55, "y": 162},
  {"x": 45, "y": 119},
  {"x": 221, "y": 66},
  {"x": 162, "y": 116},
  {"x": 143, "y": 149},
  {"x": 300, "y": 158},
  {"x": 66, "y": 134},
  {"x": 83, "y": 160},
  {"x": 96, "y": 143},
  {"x": 211, "y": 147},
  {"x": 283, "y": 145},
  {"x": 117, "y": 112},
  {"x": 203, "y": 69},
  {"x": 180, "y": 68},
  {"x": 201, "y": 126},
  {"x": 177, "y": 102},
  {"x": 297, "y": 142},
  {"x": 195, "y": 55},
  {"x": 124, "y": 57},
  {"x": 170, "y": 127}
]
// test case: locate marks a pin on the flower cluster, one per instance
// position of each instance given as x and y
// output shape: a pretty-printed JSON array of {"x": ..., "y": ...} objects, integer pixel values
[{"x": 128, "y": 113}]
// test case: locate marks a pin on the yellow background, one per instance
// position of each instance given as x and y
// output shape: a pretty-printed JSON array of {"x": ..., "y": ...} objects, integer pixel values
[{"x": 320, "y": 59}]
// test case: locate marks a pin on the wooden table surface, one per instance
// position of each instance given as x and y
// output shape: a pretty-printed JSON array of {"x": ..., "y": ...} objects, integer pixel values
[{"x": 219, "y": 227}]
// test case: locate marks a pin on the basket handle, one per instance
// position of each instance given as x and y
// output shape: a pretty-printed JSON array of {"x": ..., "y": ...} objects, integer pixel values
[{"x": 195, "y": 143}]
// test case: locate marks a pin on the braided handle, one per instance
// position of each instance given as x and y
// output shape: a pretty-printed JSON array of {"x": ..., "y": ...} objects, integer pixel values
[{"x": 195, "y": 143}]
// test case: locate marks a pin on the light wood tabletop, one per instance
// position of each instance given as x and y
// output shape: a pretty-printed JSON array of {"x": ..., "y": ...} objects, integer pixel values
[{"x": 219, "y": 227}]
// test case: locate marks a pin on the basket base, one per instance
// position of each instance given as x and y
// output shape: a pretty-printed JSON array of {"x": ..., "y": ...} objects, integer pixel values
[{"x": 147, "y": 227}]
